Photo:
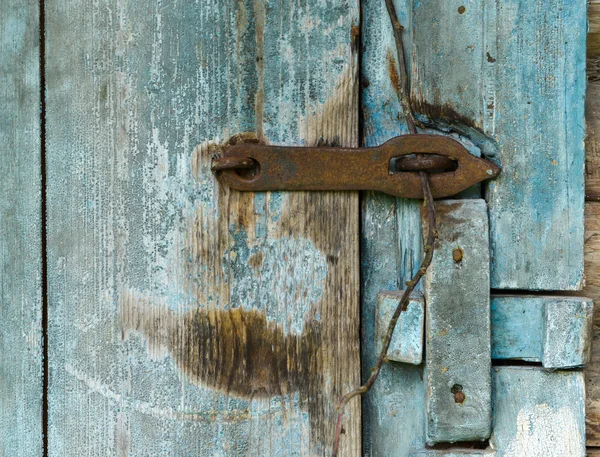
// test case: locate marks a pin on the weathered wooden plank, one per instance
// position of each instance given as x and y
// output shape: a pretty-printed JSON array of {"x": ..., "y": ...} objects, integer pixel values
[
  {"x": 513, "y": 72},
  {"x": 407, "y": 340},
  {"x": 21, "y": 372},
  {"x": 593, "y": 452},
  {"x": 592, "y": 393},
  {"x": 457, "y": 325},
  {"x": 592, "y": 143},
  {"x": 510, "y": 316},
  {"x": 592, "y": 252},
  {"x": 594, "y": 16},
  {"x": 592, "y": 290},
  {"x": 538, "y": 413},
  {"x": 185, "y": 319},
  {"x": 556, "y": 331},
  {"x": 391, "y": 245}
]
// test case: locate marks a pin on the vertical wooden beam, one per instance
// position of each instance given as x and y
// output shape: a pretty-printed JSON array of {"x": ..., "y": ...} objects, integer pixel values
[
  {"x": 21, "y": 372},
  {"x": 457, "y": 329},
  {"x": 506, "y": 75},
  {"x": 394, "y": 414},
  {"x": 186, "y": 319}
]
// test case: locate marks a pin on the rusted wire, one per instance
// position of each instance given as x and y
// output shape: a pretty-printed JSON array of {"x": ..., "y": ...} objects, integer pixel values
[{"x": 403, "y": 96}]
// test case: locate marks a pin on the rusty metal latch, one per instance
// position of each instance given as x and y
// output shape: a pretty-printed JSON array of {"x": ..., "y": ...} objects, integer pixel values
[{"x": 392, "y": 168}]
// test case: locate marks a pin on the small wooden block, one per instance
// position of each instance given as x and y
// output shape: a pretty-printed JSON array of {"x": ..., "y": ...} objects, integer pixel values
[
  {"x": 556, "y": 331},
  {"x": 538, "y": 413},
  {"x": 568, "y": 333},
  {"x": 407, "y": 341},
  {"x": 458, "y": 395}
]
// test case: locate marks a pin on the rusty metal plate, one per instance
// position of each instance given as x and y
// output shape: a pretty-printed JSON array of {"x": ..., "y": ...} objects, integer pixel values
[{"x": 379, "y": 168}]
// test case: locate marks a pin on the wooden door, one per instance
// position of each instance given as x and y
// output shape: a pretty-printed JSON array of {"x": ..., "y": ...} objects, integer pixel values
[{"x": 147, "y": 310}]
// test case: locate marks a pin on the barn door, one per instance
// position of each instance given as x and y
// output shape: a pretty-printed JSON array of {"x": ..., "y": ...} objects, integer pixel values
[{"x": 148, "y": 310}]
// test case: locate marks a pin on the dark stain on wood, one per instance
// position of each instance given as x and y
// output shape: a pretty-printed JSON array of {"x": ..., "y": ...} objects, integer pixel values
[
  {"x": 444, "y": 113},
  {"x": 242, "y": 354},
  {"x": 237, "y": 351}
]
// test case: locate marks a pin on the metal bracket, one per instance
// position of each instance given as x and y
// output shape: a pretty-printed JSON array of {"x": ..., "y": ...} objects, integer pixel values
[{"x": 392, "y": 168}]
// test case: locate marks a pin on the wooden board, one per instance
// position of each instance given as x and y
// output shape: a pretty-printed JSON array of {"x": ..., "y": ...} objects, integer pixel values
[
  {"x": 393, "y": 418},
  {"x": 538, "y": 413},
  {"x": 592, "y": 144},
  {"x": 594, "y": 16},
  {"x": 185, "y": 319},
  {"x": 592, "y": 290},
  {"x": 508, "y": 76},
  {"x": 457, "y": 325},
  {"x": 21, "y": 369}
]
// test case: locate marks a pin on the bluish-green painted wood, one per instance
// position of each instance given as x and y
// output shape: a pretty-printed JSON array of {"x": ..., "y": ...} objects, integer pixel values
[
  {"x": 184, "y": 319},
  {"x": 407, "y": 340},
  {"x": 511, "y": 76},
  {"x": 457, "y": 325},
  {"x": 453, "y": 453},
  {"x": 556, "y": 331},
  {"x": 538, "y": 413},
  {"x": 393, "y": 418},
  {"x": 21, "y": 372}
]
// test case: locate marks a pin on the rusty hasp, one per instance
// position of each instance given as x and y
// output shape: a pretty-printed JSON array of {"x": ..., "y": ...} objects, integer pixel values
[{"x": 392, "y": 168}]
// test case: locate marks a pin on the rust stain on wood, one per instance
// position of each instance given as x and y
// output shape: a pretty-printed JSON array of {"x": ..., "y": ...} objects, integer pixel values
[{"x": 393, "y": 71}]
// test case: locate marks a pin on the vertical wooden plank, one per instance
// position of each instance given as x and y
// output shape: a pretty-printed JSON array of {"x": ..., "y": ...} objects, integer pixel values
[
  {"x": 457, "y": 325},
  {"x": 592, "y": 290},
  {"x": 592, "y": 142},
  {"x": 186, "y": 319},
  {"x": 538, "y": 413},
  {"x": 393, "y": 416},
  {"x": 506, "y": 75},
  {"x": 21, "y": 372}
]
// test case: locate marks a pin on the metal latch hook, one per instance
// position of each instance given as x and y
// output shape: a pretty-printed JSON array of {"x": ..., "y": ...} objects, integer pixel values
[{"x": 387, "y": 168}]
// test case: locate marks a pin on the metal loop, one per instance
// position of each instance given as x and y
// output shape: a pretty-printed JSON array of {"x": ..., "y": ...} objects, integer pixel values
[{"x": 428, "y": 163}]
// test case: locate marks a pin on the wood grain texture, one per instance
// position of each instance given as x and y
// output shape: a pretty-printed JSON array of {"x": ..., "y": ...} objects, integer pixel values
[
  {"x": 185, "y": 319},
  {"x": 594, "y": 16},
  {"x": 592, "y": 290},
  {"x": 592, "y": 254},
  {"x": 538, "y": 413},
  {"x": 457, "y": 325},
  {"x": 21, "y": 372},
  {"x": 592, "y": 144},
  {"x": 391, "y": 242},
  {"x": 508, "y": 76}
]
